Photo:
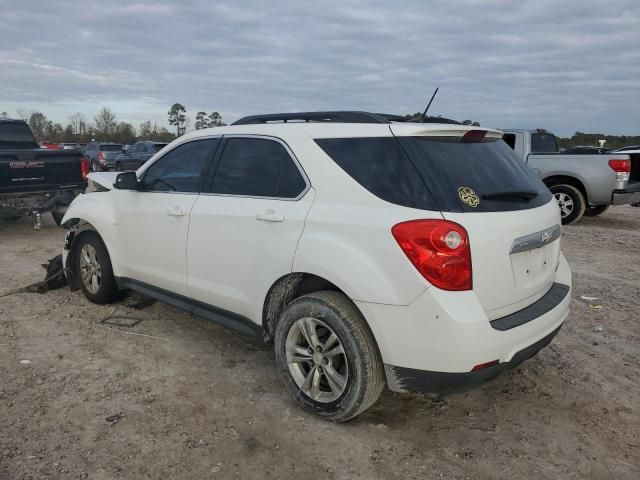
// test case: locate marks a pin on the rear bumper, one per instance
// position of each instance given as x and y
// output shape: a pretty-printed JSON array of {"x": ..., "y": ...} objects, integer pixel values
[
  {"x": 401, "y": 379},
  {"x": 434, "y": 343},
  {"x": 631, "y": 194}
]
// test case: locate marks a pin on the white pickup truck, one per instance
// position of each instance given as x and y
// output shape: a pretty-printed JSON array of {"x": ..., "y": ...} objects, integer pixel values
[{"x": 583, "y": 184}]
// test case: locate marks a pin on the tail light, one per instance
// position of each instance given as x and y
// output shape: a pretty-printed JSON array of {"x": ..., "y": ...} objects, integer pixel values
[
  {"x": 439, "y": 250},
  {"x": 622, "y": 167},
  {"x": 100, "y": 157},
  {"x": 84, "y": 167}
]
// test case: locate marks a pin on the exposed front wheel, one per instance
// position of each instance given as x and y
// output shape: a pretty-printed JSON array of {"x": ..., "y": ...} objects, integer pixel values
[
  {"x": 327, "y": 356},
  {"x": 595, "y": 211},
  {"x": 571, "y": 202},
  {"x": 93, "y": 268}
]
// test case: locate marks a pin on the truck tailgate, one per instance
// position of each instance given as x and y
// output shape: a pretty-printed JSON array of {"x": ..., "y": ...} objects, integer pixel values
[{"x": 40, "y": 170}]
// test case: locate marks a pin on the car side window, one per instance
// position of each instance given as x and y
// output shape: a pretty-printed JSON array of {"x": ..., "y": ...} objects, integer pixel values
[
  {"x": 259, "y": 168},
  {"x": 132, "y": 149},
  {"x": 181, "y": 169}
]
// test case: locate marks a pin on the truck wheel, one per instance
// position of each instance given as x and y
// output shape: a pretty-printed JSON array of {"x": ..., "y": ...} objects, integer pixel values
[
  {"x": 93, "y": 268},
  {"x": 118, "y": 167},
  {"x": 571, "y": 202},
  {"x": 327, "y": 356},
  {"x": 57, "y": 217},
  {"x": 595, "y": 211}
]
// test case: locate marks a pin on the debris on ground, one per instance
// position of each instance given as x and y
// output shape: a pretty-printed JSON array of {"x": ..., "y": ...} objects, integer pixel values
[
  {"x": 113, "y": 419},
  {"x": 598, "y": 329},
  {"x": 588, "y": 299},
  {"x": 594, "y": 306},
  {"x": 55, "y": 278},
  {"x": 25, "y": 362}
]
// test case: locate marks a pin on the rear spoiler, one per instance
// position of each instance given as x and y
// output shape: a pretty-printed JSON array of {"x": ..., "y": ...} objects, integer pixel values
[{"x": 433, "y": 130}]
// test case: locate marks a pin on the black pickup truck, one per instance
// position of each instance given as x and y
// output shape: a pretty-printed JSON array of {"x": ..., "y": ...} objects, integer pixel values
[{"x": 34, "y": 180}]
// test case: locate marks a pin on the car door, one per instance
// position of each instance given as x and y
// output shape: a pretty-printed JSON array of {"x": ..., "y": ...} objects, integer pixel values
[
  {"x": 153, "y": 222},
  {"x": 244, "y": 230}
]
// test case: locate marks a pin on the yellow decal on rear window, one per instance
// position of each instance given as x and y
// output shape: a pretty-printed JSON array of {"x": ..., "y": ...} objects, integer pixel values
[{"x": 468, "y": 196}]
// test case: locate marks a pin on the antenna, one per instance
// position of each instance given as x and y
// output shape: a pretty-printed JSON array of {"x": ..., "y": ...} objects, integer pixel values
[{"x": 424, "y": 114}]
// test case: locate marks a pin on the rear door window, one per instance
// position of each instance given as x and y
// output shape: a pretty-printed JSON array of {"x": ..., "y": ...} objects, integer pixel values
[
  {"x": 258, "y": 168},
  {"x": 543, "y": 143},
  {"x": 381, "y": 166}
]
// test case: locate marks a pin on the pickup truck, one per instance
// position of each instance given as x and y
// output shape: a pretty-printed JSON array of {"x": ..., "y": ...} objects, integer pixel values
[
  {"x": 34, "y": 180},
  {"x": 583, "y": 184}
]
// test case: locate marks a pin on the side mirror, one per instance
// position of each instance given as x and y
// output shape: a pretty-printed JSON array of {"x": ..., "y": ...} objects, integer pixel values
[{"x": 126, "y": 181}]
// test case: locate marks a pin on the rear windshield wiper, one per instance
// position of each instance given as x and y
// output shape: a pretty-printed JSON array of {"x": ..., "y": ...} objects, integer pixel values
[{"x": 524, "y": 195}]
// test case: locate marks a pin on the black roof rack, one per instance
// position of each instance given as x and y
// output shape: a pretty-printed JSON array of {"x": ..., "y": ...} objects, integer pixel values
[
  {"x": 335, "y": 117},
  {"x": 331, "y": 117}
]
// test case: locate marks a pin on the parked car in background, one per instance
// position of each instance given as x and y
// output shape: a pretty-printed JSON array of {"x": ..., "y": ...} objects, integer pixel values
[
  {"x": 583, "y": 184},
  {"x": 70, "y": 146},
  {"x": 137, "y": 154},
  {"x": 102, "y": 155},
  {"x": 34, "y": 180},
  {"x": 49, "y": 145},
  {"x": 420, "y": 256}
]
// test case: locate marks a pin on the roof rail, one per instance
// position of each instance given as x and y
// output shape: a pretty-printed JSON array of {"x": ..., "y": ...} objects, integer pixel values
[{"x": 329, "y": 117}]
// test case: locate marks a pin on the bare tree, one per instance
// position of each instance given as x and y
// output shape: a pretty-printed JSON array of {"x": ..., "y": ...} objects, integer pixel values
[
  {"x": 23, "y": 114},
  {"x": 78, "y": 123},
  {"x": 106, "y": 122}
]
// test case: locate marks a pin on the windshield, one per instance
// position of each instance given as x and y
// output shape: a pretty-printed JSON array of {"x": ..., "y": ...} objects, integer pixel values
[
  {"x": 543, "y": 143},
  {"x": 16, "y": 134},
  {"x": 110, "y": 148}
]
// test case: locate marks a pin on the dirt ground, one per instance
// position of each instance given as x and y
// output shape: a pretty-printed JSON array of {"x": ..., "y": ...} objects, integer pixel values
[{"x": 192, "y": 400}]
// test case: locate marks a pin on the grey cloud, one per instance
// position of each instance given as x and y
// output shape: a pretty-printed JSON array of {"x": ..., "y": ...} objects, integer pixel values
[{"x": 563, "y": 65}]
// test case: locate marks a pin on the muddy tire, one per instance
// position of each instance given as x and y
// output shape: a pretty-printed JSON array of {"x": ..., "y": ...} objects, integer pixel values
[
  {"x": 595, "y": 211},
  {"x": 92, "y": 267},
  {"x": 571, "y": 202},
  {"x": 327, "y": 356}
]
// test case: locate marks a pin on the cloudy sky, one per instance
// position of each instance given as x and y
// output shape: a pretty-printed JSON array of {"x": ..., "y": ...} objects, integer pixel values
[{"x": 564, "y": 65}]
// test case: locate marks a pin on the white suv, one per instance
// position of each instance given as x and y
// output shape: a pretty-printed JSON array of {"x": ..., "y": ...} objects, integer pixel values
[{"x": 370, "y": 252}]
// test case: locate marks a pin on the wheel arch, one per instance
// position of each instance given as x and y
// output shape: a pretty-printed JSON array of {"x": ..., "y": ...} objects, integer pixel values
[
  {"x": 289, "y": 287},
  {"x": 568, "y": 180}
]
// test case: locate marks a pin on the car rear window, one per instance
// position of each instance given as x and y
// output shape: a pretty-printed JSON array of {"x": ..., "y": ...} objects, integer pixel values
[
  {"x": 440, "y": 173},
  {"x": 110, "y": 148},
  {"x": 543, "y": 143},
  {"x": 12, "y": 134}
]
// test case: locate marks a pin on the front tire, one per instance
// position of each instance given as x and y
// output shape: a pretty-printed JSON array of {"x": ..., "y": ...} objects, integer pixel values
[
  {"x": 93, "y": 269},
  {"x": 595, "y": 211},
  {"x": 327, "y": 356},
  {"x": 571, "y": 202}
]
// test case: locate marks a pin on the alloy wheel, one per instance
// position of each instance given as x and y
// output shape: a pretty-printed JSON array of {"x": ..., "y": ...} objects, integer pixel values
[
  {"x": 565, "y": 202},
  {"x": 90, "y": 268},
  {"x": 317, "y": 360}
]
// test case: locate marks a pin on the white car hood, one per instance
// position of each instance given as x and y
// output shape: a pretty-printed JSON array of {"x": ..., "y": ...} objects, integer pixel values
[{"x": 104, "y": 179}]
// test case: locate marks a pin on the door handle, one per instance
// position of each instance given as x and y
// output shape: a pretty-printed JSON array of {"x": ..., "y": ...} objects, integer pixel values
[
  {"x": 269, "y": 216},
  {"x": 176, "y": 212}
]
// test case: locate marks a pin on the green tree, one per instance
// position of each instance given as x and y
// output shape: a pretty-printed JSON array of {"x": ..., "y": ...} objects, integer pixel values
[
  {"x": 470, "y": 122},
  {"x": 214, "y": 120},
  {"x": 201, "y": 120},
  {"x": 4, "y": 114},
  {"x": 125, "y": 133},
  {"x": 178, "y": 116}
]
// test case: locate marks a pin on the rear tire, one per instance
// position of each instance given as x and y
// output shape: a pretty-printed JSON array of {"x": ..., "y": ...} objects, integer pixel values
[
  {"x": 336, "y": 386},
  {"x": 595, "y": 211},
  {"x": 571, "y": 202},
  {"x": 92, "y": 266}
]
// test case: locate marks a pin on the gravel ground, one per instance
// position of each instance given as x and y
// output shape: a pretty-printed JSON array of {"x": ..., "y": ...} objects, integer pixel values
[{"x": 192, "y": 400}]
